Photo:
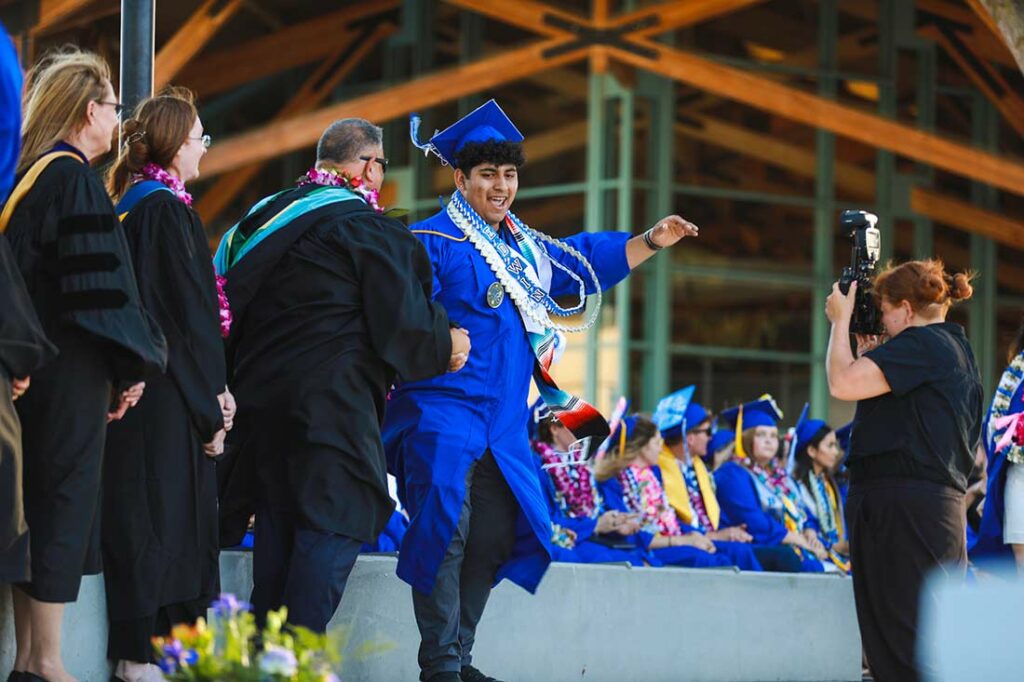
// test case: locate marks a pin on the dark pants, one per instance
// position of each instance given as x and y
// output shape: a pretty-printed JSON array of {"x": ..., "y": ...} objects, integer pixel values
[
  {"x": 131, "y": 639},
  {"x": 302, "y": 568},
  {"x": 900, "y": 529},
  {"x": 447, "y": 618},
  {"x": 777, "y": 558}
]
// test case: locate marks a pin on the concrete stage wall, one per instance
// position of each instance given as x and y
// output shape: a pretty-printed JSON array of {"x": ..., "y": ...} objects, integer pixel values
[{"x": 589, "y": 623}]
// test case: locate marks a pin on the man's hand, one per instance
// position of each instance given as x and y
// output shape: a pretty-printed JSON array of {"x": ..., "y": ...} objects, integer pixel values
[
  {"x": 700, "y": 542},
  {"x": 216, "y": 446},
  {"x": 607, "y": 523},
  {"x": 19, "y": 386},
  {"x": 460, "y": 349},
  {"x": 128, "y": 398},
  {"x": 839, "y": 307},
  {"x": 227, "y": 408},
  {"x": 671, "y": 229}
]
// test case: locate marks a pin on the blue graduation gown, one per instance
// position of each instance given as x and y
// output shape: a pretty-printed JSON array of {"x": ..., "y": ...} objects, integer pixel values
[
  {"x": 586, "y": 551},
  {"x": 737, "y": 494},
  {"x": 740, "y": 554},
  {"x": 690, "y": 557},
  {"x": 435, "y": 429}
]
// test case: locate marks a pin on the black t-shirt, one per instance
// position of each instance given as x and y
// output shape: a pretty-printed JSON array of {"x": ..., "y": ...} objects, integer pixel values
[{"x": 929, "y": 424}]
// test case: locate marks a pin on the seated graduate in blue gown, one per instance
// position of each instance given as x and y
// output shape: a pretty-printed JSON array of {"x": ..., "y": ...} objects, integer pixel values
[
  {"x": 815, "y": 456},
  {"x": 755, "y": 492},
  {"x": 583, "y": 530},
  {"x": 628, "y": 484},
  {"x": 720, "y": 448}
]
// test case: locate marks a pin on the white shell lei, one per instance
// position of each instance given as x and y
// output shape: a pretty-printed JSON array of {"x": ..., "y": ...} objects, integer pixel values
[
  {"x": 466, "y": 220},
  {"x": 1008, "y": 385}
]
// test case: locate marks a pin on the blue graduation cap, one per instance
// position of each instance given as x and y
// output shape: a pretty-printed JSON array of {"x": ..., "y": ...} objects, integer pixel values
[
  {"x": 805, "y": 430},
  {"x": 623, "y": 432},
  {"x": 485, "y": 123},
  {"x": 539, "y": 411},
  {"x": 760, "y": 412},
  {"x": 673, "y": 412},
  {"x": 720, "y": 439}
]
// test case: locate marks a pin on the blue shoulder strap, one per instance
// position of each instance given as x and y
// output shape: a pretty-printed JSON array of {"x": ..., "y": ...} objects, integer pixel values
[{"x": 138, "y": 192}]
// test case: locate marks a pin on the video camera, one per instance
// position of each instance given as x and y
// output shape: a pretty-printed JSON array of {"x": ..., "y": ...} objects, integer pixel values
[{"x": 860, "y": 227}]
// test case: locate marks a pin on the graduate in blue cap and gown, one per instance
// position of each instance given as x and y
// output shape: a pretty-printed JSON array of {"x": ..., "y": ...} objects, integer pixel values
[
  {"x": 720, "y": 448},
  {"x": 584, "y": 530},
  {"x": 685, "y": 428},
  {"x": 458, "y": 444},
  {"x": 629, "y": 483},
  {"x": 814, "y": 456},
  {"x": 752, "y": 491}
]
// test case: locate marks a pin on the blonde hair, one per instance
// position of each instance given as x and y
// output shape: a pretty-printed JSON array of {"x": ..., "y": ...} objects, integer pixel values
[
  {"x": 617, "y": 459},
  {"x": 155, "y": 133},
  {"x": 58, "y": 90}
]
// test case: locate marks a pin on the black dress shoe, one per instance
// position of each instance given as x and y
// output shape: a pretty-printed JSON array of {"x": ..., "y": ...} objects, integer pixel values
[
  {"x": 471, "y": 674},
  {"x": 15, "y": 676},
  {"x": 32, "y": 677},
  {"x": 445, "y": 677}
]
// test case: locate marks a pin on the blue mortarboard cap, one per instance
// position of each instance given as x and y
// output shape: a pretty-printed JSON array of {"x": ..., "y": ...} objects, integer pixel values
[
  {"x": 539, "y": 411},
  {"x": 720, "y": 439},
  {"x": 671, "y": 411},
  {"x": 760, "y": 412},
  {"x": 485, "y": 123},
  {"x": 806, "y": 429}
]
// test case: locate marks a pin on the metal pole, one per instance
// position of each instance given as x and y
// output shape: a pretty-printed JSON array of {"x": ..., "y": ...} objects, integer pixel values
[{"x": 137, "y": 25}]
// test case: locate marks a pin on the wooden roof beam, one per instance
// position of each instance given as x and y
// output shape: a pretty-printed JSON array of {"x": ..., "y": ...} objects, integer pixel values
[
  {"x": 421, "y": 93},
  {"x": 820, "y": 112},
  {"x": 527, "y": 14},
  {"x": 673, "y": 15},
  {"x": 985, "y": 77},
  {"x": 313, "y": 92},
  {"x": 52, "y": 12},
  {"x": 192, "y": 37},
  {"x": 292, "y": 46}
]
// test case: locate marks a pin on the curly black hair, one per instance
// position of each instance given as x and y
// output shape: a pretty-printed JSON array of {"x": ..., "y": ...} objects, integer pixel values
[{"x": 500, "y": 153}]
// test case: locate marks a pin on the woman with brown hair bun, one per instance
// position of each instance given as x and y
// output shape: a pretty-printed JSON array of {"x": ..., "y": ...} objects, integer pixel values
[
  {"x": 160, "y": 538},
  {"x": 918, "y": 420},
  {"x": 71, "y": 252}
]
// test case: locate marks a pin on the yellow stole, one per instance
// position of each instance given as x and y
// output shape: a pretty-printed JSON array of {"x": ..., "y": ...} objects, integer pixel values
[
  {"x": 677, "y": 494},
  {"x": 26, "y": 183}
]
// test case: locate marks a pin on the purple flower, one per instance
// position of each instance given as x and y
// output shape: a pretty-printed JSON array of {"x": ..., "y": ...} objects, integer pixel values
[
  {"x": 176, "y": 655},
  {"x": 229, "y": 605}
]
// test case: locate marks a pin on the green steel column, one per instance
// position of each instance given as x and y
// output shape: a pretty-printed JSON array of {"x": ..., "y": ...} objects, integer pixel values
[
  {"x": 885, "y": 161},
  {"x": 924, "y": 238},
  {"x": 594, "y": 217},
  {"x": 982, "y": 306},
  {"x": 658, "y": 289},
  {"x": 824, "y": 210},
  {"x": 624, "y": 222}
]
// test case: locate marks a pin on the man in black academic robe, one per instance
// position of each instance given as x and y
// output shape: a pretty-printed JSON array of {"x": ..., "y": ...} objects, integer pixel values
[
  {"x": 23, "y": 348},
  {"x": 330, "y": 305}
]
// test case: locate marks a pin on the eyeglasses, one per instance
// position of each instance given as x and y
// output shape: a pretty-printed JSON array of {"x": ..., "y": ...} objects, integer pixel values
[
  {"x": 118, "y": 107},
  {"x": 379, "y": 159},
  {"x": 205, "y": 139}
]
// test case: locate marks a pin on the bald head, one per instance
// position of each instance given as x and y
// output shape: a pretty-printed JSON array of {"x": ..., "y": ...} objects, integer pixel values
[{"x": 345, "y": 140}]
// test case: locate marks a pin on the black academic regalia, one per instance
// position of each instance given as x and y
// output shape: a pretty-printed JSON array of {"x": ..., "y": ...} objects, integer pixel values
[
  {"x": 23, "y": 348},
  {"x": 328, "y": 310},
  {"x": 159, "y": 487},
  {"x": 72, "y": 254}
]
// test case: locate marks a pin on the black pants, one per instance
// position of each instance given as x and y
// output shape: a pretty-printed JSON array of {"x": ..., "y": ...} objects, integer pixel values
[
  {"x": 131, "y": 639},
  {"x": 777, "y": 558},
  {"x": 900, "y": 529},
  {"x": 302, "y": 568},
  {"x": 448, "y": 616}
]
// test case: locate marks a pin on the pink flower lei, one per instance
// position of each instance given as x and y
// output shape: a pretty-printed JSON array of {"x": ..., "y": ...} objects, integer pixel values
[
  {"x": 574, "y": 489},
  {"x": 645, "y": 496},
  {"x": 333, "y": 178},
  {"x": 151, "y": 171}
]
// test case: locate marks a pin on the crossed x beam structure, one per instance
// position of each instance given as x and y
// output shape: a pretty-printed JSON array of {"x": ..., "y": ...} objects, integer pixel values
[{"x": 630, "y": 39}]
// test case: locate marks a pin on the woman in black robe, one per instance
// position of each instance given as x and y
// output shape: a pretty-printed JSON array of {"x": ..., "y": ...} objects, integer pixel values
[
  {"x": 72, "y": 254},
  {"x": 160, "y": 538}
]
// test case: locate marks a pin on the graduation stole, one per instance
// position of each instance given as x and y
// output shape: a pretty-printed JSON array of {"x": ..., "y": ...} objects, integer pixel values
[
  {"x": 832, "y": 527},
  {"x": 681, "y": 487},
  {"x": 526, "y": 277},
  {"x": 234, "y": 246},
  {"x": 27, "y": 182}
]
